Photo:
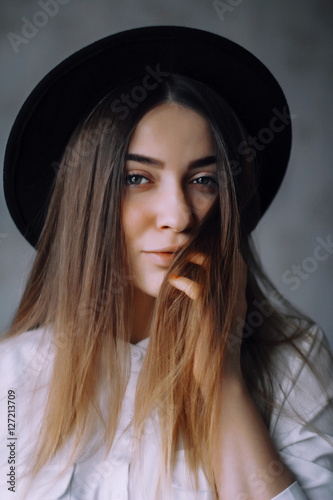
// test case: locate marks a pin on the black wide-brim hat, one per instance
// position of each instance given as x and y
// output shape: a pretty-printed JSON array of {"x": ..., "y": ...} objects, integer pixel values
[{"x": 69, "y": 92}]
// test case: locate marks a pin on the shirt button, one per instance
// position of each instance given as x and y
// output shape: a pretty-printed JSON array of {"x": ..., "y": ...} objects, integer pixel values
[
  {"x": 127, "y": 417},
  {"x": 136, "y": 355},
  {"x": 118, "y": 495},
  {"x": 116, "y": 459}
]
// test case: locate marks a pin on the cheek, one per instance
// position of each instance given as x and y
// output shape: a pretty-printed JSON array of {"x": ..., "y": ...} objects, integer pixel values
[
  {"x": 202, "y": 203},
  {"x": 135, "y": 220}
]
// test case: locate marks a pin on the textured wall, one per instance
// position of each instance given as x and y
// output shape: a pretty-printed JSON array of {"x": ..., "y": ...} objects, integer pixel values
[{"x": 294, "y": 39}]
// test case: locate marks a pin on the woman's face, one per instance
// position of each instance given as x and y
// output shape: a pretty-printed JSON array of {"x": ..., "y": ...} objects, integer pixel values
[{"x": 171, "y": 183}]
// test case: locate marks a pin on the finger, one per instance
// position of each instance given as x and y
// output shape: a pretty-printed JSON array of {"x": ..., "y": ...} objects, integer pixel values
[
  {"x": 185, "y": 285},
  {"x": 198, "y": 258}
]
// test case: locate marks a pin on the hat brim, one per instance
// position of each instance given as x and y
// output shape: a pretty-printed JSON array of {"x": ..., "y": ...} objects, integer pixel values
[{"x": 52, "y": 111}]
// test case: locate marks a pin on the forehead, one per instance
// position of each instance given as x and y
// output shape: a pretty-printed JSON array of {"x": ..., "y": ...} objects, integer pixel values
[{"x": 172, "y": 125}]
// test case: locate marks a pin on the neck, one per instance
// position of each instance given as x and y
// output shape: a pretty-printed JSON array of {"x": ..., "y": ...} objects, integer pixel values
[{"x": 143, "y": 305}]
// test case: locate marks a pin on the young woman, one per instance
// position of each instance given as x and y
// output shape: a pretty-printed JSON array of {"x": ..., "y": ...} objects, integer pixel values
[{"x": 150, "y": 357}]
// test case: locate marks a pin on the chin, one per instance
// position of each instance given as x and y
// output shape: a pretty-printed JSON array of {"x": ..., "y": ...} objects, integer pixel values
[{"x": 151, "y": 286}]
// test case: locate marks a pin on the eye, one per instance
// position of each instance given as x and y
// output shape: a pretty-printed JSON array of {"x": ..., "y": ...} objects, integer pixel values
[
  {"x": 135, "y": 180},
  {"x": 206, "y": 180}
]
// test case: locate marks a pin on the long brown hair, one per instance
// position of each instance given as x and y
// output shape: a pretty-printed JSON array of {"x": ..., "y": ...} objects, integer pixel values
[{"x": 80, "y": 291}]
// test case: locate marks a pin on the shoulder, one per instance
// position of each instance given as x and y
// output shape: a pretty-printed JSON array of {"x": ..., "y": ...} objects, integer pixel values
[
  {"x": 301, "y": 425},
  {"x": 303, "y": 373},
  {"x": 308, "y": 352},
  {"x": 25, "y": 355},
  {"x": 26, "y": 362}
]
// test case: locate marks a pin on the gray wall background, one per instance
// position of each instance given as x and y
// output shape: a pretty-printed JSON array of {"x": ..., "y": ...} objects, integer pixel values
[{"x": 293, "y": 38}]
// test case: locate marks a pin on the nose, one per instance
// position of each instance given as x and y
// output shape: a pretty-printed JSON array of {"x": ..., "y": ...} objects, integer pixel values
[{"x": 174, "y": 210}]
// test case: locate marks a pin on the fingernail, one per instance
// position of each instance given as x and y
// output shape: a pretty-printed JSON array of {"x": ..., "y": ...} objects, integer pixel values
[{"x": 174, "y": 276}]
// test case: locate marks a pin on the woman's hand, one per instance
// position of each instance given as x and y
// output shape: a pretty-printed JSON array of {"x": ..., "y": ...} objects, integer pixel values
[
  {"x": 231, "y": 365},
  {"x": 243, "y": 450}
]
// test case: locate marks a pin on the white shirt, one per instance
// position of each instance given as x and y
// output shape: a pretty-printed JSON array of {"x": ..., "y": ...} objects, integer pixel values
[{"x": 94, "y": 477}]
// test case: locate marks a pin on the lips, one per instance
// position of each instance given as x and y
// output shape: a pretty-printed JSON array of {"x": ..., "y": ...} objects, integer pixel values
[
  {"x": 163, "y": 257},
  {"x": 171, "y": 249}
]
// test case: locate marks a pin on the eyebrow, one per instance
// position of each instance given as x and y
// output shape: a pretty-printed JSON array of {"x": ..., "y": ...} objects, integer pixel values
[{"x": 147, "y": 160}]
